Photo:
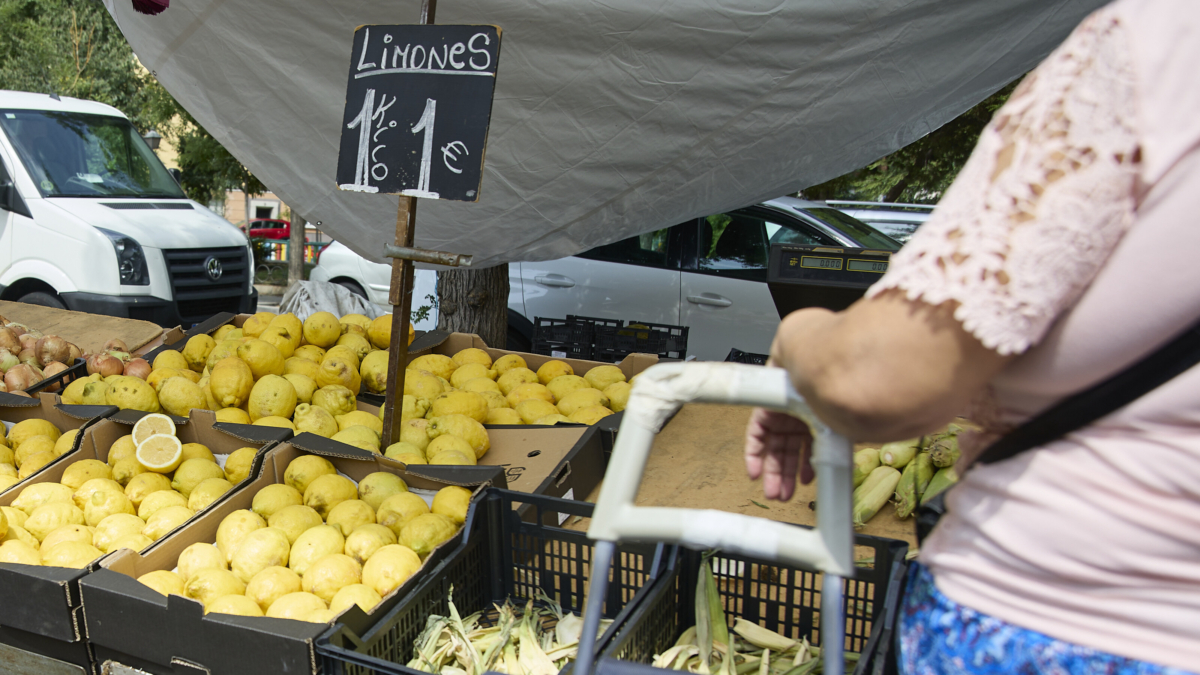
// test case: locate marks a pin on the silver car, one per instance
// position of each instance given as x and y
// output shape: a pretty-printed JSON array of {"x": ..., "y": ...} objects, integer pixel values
[{"x": 898, "y": 221}]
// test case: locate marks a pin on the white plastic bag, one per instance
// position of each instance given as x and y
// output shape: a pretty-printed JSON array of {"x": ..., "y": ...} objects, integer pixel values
[{"x": 305, "y": 298}]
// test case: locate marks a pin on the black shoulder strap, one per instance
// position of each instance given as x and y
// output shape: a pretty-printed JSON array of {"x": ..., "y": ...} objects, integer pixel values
[{"x": 1081, "y": 409}]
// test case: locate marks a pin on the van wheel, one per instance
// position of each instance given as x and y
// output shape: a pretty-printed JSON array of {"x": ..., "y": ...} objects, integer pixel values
[
  {"x": 517, "y": 342},
  {"x": 43, "y": 299}
]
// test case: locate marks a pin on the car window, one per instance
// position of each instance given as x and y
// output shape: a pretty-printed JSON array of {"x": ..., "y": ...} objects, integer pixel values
[
  {"x": 647, "y": 250},
  {"x": 738, "y": 244},
  {"x": 864, "y": 234}
]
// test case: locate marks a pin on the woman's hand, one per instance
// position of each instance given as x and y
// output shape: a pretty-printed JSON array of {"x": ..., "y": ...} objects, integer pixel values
[{"x": 776, "y": 445}]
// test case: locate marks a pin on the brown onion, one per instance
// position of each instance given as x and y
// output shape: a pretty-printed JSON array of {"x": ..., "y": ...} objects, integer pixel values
[
  {"x": 28, "y": 357},
  {"x": 7, "y": 360},
  {"x": 52, "y": 348},
  {"x": 105, "y": 365},
  {"x": 28, "y": 341},
  {"x": 139, "y": 368},
  {"x": 3, "y": 387},
  {"x": 18, "y": 329},
  {"x": 76, "y": 352},
  {"x": 21, "y": 377},
  {"x": 123, "y": 356},
  {"x": 9, "y": 340},
  {"x": 20, "y": 393},
  {"x": 53, "y": 368},
  {"x": 115, "y": 345}
]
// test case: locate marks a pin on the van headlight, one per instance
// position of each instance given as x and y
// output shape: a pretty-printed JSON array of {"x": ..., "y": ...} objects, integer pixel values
[{"x": 131, "y": 261}]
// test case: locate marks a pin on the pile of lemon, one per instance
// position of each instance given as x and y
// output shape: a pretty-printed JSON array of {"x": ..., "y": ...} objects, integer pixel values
[
  {"x": 151, "y": 484},
  {"x": 314, "y": 545},
  {"x": 30, "y": 445},
  {"x": 262, "y": 369},
  {"x": 448, "y": 399}
]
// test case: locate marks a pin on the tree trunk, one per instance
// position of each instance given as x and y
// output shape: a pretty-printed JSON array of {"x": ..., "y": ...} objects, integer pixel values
[
  {"x": 296, "y": 250},
  {"x": 246, "y": 203},
  {"x": 475, "y": 301}
]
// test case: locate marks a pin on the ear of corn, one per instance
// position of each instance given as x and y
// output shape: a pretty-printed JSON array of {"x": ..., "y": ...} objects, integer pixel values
[
  {"x": 865, "y": 461},
  {"x": 762, "y": 637},
  {"x": 925, "y": 471},
  {"x": 945, "y": 452},
  {"x": 906, "y": 491},
  {"x": 943, "y": 479},
  {"x": 897, "y": 455},
  {"x": 873, "y": 494}
]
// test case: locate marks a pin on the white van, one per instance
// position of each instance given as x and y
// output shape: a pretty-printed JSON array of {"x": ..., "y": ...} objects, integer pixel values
[{"x": 90, "y": 220}]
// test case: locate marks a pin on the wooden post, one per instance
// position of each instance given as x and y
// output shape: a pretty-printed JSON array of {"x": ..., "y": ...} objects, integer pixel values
[
  {"x": 400, "y": 297},
  {"x": 296, "y": 250}
]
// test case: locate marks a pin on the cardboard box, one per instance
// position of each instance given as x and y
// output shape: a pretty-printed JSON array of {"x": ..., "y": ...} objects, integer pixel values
[
  {"x": 45, "y": 600},
  {"x": 176, "y": 338},
  {"x": 48, "y": 407},
  {"x": 24, "y": 652},
  {"x": 131, "y": 624}
]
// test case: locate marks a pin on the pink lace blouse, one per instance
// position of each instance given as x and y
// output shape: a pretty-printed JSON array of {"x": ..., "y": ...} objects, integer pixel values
[{"x": 1072, "y": 239}]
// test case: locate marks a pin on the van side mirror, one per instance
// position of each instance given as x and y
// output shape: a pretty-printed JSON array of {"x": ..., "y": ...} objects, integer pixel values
[
  {"x": 10, "y": 199},
  {"x": 177, "y": 175}
]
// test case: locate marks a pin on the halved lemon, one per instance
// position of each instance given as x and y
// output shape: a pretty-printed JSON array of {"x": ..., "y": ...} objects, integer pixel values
[
  {"x": 154, "y": 423},
  {"x": 161, "y": 453}
]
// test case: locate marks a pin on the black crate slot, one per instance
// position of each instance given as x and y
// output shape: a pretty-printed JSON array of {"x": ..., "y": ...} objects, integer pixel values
[
  {"x": 571, "y": 338},
  {"x": 503, "y": 557},
  {"x": 643, "y": 337}
]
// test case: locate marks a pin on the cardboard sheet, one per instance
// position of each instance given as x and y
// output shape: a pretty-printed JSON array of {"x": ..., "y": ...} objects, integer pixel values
[
  {"x": 89, "y": 331},
  {"x": 610, "y": 118},
  {"x": 696, "y": 463}
]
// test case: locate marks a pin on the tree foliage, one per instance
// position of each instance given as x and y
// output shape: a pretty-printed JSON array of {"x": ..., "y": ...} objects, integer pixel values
[
  {"x": 921, "y": 171},
  {"x": 74, "y": 48}
]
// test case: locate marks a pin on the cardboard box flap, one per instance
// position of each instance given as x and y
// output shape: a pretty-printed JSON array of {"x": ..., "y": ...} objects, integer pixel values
[
  {"x": 428, "y": 341},
  {"x": 442, "y": 475},
  {"x": 211, "y": 324},
  {"x": 319, "y": 445},
  {"x": 251, "y": 433},
  {"x": 42, "y": 582},
  {"x": 130, "y": 416},
  {"x": 8, "y": 400},
  {"x": 87, "y": 412}
]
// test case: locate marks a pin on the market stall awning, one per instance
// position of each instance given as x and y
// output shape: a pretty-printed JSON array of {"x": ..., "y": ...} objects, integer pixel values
[{"x": 610, "y": 118}]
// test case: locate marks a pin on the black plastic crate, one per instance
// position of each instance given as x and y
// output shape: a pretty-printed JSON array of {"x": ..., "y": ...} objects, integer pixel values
[
  {"x": 502, "y": 557},
  {"x": 739, "y": 356},
  {"x": 76, "y": 371},
  {"x": 782, "y": 598},
  {"x": 572, "y": 337},
  {"x": 640, "y": 337}
]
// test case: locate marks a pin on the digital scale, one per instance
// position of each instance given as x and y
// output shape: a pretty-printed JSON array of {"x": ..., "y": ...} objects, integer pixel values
[{"x": 822, "y": 276}]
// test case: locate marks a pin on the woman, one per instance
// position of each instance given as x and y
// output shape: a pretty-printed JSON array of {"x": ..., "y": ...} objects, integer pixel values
[{"x": 1065, "y": 251}]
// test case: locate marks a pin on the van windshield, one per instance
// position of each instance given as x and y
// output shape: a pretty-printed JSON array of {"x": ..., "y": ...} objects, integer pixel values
[{"x": 79, "y": 155}]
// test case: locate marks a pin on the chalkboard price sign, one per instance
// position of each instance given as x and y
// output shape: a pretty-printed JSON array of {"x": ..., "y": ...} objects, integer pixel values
[{"x": 418, "y": 104}]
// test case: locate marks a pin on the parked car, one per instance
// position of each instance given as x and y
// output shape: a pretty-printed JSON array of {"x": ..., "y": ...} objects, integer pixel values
[
  {"x": 266, "y": 228},
  {"x": 707, "y": 273},
  {"x": 90, "y": 220},
  {"x": 898, "y": 221}
]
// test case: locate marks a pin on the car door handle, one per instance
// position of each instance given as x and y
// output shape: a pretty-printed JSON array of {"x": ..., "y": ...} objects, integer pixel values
[
  {"x": 711, "y": 300},
  {"x": 556, "y": 280}
]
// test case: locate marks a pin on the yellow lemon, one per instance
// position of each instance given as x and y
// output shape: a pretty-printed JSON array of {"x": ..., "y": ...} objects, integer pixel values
[
  {"x": 160, "y": 453},
  {"x": 157, "y": 501},
  {"x": 69, "y": 533},
  {"x": 357, "y": 418},
  {"x": 275, "y": 421},
  {"x": 196, "y": 450},
  {"x": 349, "y": 515},
  {"x": 416, "y": 433},
  {"x": 170, "y": 360},
  {"x": 82, "y": 471},
  {"x": 263, "y": 358},
  {"x": 40, "y": 494},
  {"x": 200, "y": 556},
  {"x": 271, "y": 584},
  {"x": 359, "y": 436},
  {"x": 482, "y": 386},
  {"x": 504, "y": 416},
  {"x": 196, "y": 351},
  {"x": 166, "y": 519},
  {"x": 272, "y": 396},
  {"x": 551, "y": 420},
  {"x": 314, "y": 420},
  {"x": 590, "y": 415},
  {"x": 463, "y": 427},
  {"x": 426, "y": 532},
  {"x": 452, "y": 501},
  {"x": 452, "y": 458},
  {"x": 335, "y": 399},
  {"x": 49, "y": 517},
  {"x": 395, "y": 511},
  {"x": 508, "y": 362},
  {"x": 230, "y": 382},
  {"x": 472, "y": 355},
  {"x": 471, "y": 371},
  {"x": 326, "y": 492},
  {"x": 601, "y": 377},
  {"x": 534, "y": 409},
  {"x": 115, "y": 527},
  {"x": 380, "y": 331},
  {"x": 527, "y": 391},
  {"x": 19, "y": 552},
  {"x": 290, "y": 324},
  {"x": 295, "y": 520},
  {"x": 165, "y": 582},
  {"x": 565, "y": 384},
  {"x": 74, "y": 554},
  {"x": 552, "y": 369},
  {"x": 209, "y": 584},
  {"x": 237, "y": 605},
  {"x": 273, "y": 498},
  {"x": 233, "y": 416},
  {"x": 305, "y": 469},
  {"x": 315, "y": 543},
  {"x": 325, "y": 577},
  {"x": 280, "y": 338},
  {"x": 179, "y": 395},
  {"x": 149, "y": 425},
  {"x": 131, "y": 393},
  {"x": 239, "y": 463},
  {"x": 374, "y": 371},
  {"x": 310, "y": 352},
  {"x": 145, "y": 484},
  {"x": 357, "y": 343},
  {"x": 255, "y": 325},
  {"x": 459, "y": 403},
  {"x": 260, "y": 549},
  {"x": 208, "y": 491},
  {"x": 435, "y": 364},
  {"x": 618, "y": 395},
  {"x": 515, "y": 377},
  {"x": 355, "y": 320},
  {"x": 304, "y": 385},
  {"x": 193, "y": 472},
  {"x": 322, "y": 329},
  {"x": 124, "y": 470},
  {"x": 296, "y": 606},
  {"x": 366, "y": 540},
  {"x": 355, "y": 594},
  {"x": 104, "y": 503},
  {"x": 26, "y": 429},
  {"x": 234, "y": 528},
  {"x": 581, "y": 398},
  {"x": 376, "y": 487},
  {"x": 389, "y": 568},
  {"x": 339, "y": 371}
]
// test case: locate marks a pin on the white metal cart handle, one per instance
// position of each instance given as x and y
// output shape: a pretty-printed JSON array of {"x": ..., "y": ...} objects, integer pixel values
[{"x": 663, "y": 389}]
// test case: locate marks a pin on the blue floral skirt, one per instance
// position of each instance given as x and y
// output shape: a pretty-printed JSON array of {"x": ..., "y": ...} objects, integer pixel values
[{"x": 941, "y": 637}]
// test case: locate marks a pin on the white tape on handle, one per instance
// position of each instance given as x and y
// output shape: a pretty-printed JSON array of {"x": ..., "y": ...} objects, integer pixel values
[{"x": 726, "y": 531}]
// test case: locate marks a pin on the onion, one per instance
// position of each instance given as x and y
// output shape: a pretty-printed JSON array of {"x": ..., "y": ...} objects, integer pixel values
[
  {"x": 7, "y": 360},
  {"x": 139, "y": 368},
  {"x": 122, "y": 356},
  {"x": 2, "y": 386},
  {"x": 9, "y": 340},
  {"x": 53, "y": 368},
  {"x": 28, "y": 341},
  {"x": 18, "y": 329},
  {"x": 21, "y": 377},
  {"x": 76, "y": 352},
  {"x": 28, "y": 357},
  {"x": 20, "y": 393},
  {"x": 105, "y": 365},
  {"x": 115, "y": 345},
  {"x": 52, "y": 348}
]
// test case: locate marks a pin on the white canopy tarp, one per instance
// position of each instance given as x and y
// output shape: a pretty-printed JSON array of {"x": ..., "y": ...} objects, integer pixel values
[{"x": 610, "y": 118}]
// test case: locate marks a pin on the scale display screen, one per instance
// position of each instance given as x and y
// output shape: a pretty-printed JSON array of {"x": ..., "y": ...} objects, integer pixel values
[
  {"x": 866, "y": 266},
  {"x": 815, "y": 263}
]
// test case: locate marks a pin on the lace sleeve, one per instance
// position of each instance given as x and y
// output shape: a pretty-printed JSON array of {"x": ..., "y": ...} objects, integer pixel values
[{"x": 1042, "y": 202}]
